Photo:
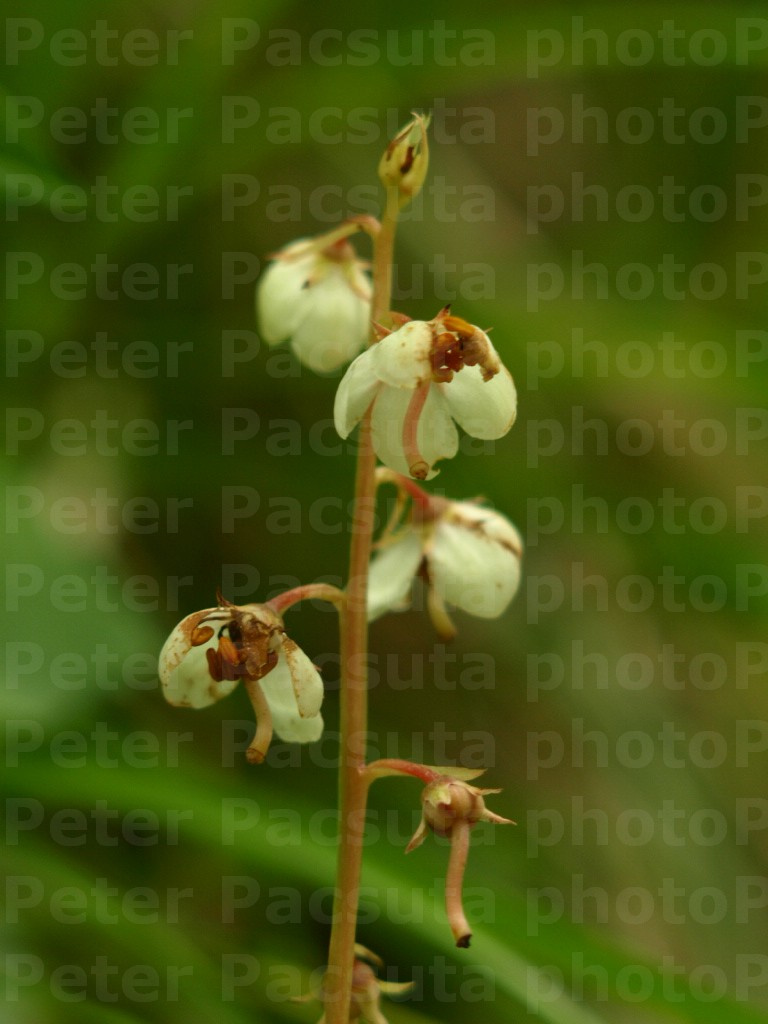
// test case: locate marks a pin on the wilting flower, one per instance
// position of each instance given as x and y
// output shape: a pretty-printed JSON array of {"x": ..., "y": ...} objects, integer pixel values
[
  {"x": 316, "y": 293},
  {"x": 366, "y": 992},
  {"x": 451, "y": 807},
  {"x": 419, "y": 379},
  {"x": 468, "y": 555},
  {"x": 210, "y": 651}
]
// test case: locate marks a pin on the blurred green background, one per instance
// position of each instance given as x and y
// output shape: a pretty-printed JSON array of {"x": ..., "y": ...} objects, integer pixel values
[{"x": 598, "y": 197}]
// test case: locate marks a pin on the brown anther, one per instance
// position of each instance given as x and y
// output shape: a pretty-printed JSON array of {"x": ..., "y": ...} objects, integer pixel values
[
  {"x": 200, "y": 635},
  {"x": 230, "y": 652},
  {"x": 459, "y": 326},
  {"x": 218, "y": 667},
  {"x": 225, "y": 662}
]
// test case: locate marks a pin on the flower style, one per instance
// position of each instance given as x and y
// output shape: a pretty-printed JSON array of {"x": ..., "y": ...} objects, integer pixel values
[
  {"x": 468, "y": 555},
  {"x": 211, "y": 650},
  {"x": 316, "y": 293},
  {"x": 419, "y": 379}
]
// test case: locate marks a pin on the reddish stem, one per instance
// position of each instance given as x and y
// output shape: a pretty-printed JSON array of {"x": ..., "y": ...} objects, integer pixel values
[
  {"x": 396, "y": 766},
  {"x": 307, "y": 592},
  {"x": 353, "y": 717}
]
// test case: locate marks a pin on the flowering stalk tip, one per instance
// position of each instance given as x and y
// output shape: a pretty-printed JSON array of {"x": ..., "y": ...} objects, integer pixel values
[{"x": 403, "y": 166}]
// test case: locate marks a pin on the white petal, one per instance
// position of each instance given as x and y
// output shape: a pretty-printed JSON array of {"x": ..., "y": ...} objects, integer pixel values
[
  {"x": 279, "y": 687},
  {"x": 354, "y": 394},
  {"x": 473, "y": 572},
  {"x": 307, "y": 684},
  {"x": 183, "y": 669},
  {"x": 492, "y": 524},
  {"x": 281, "y": 298},
  {"x": 402, "y": 358},
  {"x": 485, "y": 409},
  {"x": 391, "y": 574},
  {"x": 335, "y": 325},
  {"x": 437, "y": 437}
]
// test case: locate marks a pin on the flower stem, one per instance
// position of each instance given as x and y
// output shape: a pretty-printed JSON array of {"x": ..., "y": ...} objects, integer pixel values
[
  {"x": 307, "y": 592},
  {"x": 353, "y": 787}
]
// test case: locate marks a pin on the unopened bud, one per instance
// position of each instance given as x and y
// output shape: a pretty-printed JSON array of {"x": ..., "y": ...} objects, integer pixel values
[{"x": 406, "y": 159}]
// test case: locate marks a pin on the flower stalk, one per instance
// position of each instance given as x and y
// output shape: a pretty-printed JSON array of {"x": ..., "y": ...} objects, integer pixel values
[
  {"x": 353, "y": 710},
  {"x": 411, "y": 389}
]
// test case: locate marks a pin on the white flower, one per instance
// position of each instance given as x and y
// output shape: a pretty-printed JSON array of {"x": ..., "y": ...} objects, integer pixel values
[
  {"x": 469, "y": 555},
  {"x": 420, "y": 379},
  {"x": 316, "y": 293},
  {"x": 211, "y": 650}
]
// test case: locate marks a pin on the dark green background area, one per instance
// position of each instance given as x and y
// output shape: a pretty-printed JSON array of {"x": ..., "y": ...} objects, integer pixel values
[{"x": 633, "y": 887}]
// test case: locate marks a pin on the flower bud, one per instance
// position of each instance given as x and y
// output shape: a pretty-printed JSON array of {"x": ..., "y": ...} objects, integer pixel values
[{"x": 406, "y": 159}]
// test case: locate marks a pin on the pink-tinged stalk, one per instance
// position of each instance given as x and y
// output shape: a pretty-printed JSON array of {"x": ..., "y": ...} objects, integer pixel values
[
  {"x": 421, "y": 498},
  {"x": 454, "y": 878},
  {"x": 353, "y": 711},
  {"x": 307, "y": 592},
  {"x": 395, "y": 766}
]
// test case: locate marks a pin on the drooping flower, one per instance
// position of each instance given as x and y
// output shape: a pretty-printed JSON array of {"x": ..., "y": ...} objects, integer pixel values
[
  {"x": 468, "y": 555},
  {"x": 419, "y": 379},
  {"x": 210, "y": 651},
  {"x": 316, "y": 293},
  {"x": 450, "y": 808}
]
